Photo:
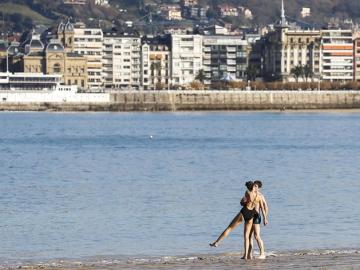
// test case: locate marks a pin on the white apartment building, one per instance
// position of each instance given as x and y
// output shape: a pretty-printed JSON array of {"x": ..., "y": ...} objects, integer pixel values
[
  {"x": 156, "y": 59},
  {"x": 305, "y": 12},
  {"x": 187, "y": 58},
  {"x": 75, "y": 2},
  {"x": 89, "y": 43},
  {"x": 357, "y": 56},
  {"x": 337, "y": 55},
  {"x": 121, "y": 61},
  {"x": 101, "y": 2},
  {"x": 225, "y": 56},
  {"x": 171, "y": 12}
]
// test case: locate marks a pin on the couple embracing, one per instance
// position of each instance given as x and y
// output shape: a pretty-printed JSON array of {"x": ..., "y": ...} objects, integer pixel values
[{"x": 253, "y": 205}]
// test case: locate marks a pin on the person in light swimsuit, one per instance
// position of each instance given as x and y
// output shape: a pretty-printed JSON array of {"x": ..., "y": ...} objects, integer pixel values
[
  {"x": 263, "y": 208},
  {"x": 253, "y": 202}
]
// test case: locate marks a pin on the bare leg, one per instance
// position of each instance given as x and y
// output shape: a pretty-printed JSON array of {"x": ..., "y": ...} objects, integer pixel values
[
  {"x": 235, "y": 222},
  {"x": 259, "y": 241},
  {"x": 251, "y": 243},
  {"x": 247, "y": 230}
]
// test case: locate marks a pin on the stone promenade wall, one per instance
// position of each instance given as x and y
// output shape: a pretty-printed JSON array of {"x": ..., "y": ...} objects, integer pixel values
[
  {"x": 191, "y": 100},
  {"x": 234, "y": 100}
]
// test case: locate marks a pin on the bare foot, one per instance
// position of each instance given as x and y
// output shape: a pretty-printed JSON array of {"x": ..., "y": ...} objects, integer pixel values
[
  {"x": 215, "y": 244},
  {"x": 262, "y": 257}
]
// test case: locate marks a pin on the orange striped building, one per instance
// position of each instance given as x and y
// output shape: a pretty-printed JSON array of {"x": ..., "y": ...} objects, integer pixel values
[
  {"x": 337, "y": 55},
  {"x": 357, "y": 57}
]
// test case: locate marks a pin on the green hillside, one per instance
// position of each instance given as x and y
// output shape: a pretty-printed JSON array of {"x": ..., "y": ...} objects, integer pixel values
[
  {"x": 11, "y": 8},
  {"x": 20, "y": 14}
]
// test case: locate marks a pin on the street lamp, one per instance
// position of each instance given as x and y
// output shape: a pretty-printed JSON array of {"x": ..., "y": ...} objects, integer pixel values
[{"x": 12, "y": 49}]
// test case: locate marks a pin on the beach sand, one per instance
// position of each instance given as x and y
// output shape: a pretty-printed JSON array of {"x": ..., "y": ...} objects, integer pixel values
[{"x": 300, "y": 260}]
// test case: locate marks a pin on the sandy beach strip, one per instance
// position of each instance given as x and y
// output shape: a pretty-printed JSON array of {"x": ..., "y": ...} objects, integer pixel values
[{"x": 299, "y": 260}]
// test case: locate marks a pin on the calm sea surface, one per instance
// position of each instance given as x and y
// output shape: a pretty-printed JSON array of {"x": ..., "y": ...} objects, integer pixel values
[{"x": 155, "y": 184}]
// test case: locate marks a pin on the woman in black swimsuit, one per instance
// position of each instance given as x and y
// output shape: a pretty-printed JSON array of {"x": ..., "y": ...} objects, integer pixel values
[{"x": 247, "y": 213}]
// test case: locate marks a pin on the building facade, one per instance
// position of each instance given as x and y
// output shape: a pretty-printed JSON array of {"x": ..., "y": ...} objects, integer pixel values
[
  {"x": 156, "y": 62},
  {"x": 357, "y": 57},
  {"x": 75, "y": 2},
  {"x": 65, "y": 33},
  {"x": 337, "y": 55},
  {"x": 301, "y": 48},
  {"x": 171, "y": 12},
  {"x": 88, "y": 42},
  {"x": 228, "y": 11},
  {"x": 121, "y": 61},
  {"x": 102, "y": 2},
  {"x": 186, "y": 58},
  {"x": 187, "y": 3},
  {"x": 225, "y": 56},
  {"x": 3, "y": 56},
  {"x": 54, "y": 59},
  {"x": 287, "y": 48}
]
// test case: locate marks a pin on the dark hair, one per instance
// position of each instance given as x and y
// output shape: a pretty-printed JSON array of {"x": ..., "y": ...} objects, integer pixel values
[
  {"x": 258, "y": 183},
  {"x": 249, "y": 185}
]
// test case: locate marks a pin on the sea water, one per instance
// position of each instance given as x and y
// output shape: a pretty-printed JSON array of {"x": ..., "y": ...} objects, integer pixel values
[{"x": 76, "y": 185}]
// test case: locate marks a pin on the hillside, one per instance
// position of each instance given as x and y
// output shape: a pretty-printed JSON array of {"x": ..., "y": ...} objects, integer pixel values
[{"x": 19, "y": 15}]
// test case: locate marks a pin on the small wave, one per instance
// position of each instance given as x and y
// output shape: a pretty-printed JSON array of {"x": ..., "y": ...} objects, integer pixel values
[{"x": 327, "y": 252}]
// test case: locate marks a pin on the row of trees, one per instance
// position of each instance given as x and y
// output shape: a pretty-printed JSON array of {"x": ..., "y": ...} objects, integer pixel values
[
  {"x": 306, "y": 86},
  {"x": 252, "y": 72},
  {"x": 304, "y": 72}
]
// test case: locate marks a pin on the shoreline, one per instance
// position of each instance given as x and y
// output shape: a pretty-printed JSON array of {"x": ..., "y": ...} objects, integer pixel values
[
  {"x": 295, "y": 111},
  {"x": 319, "y": 259}
]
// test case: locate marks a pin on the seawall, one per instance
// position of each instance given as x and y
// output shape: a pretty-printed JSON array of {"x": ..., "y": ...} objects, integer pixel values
[{"x": 188, "y": 100}]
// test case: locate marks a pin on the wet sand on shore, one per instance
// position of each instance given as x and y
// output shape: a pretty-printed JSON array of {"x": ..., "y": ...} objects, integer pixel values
[{"x": 324, "y": 261}]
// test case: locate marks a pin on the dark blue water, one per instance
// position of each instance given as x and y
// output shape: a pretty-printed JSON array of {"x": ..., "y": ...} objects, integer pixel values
[{"x": 136, "y": 184}]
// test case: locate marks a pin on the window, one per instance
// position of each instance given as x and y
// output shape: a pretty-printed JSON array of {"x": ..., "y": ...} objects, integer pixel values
[
  {"x": 57, "y": 68},
  {"x": 187, "y": 39}
]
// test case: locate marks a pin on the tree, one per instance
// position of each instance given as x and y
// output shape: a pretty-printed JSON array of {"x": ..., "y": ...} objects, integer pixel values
[
  {"x": 308, "y": 72},
  {"x": 155, "y": 69},
  {"x": 200, "y": 76},
  {"x": 297, "y": 71},
  {"x": 251, "y": 72},
  {"x": 196, "y": 85}
]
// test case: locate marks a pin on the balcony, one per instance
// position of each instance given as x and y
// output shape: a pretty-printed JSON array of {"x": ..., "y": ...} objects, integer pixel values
[
  {"x": 231, "y": 55},
  {"x": 231, "y": 62}
]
